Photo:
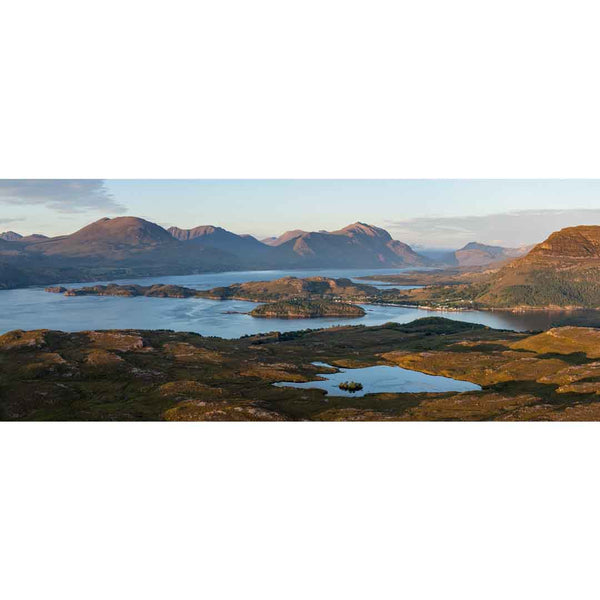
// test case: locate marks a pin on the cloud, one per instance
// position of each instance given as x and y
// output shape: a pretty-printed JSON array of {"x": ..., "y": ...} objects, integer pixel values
[
  {"x": 6, "y": 221},
  {"x": 62, "y": 195},
  {"x": 511, "y": 229}
]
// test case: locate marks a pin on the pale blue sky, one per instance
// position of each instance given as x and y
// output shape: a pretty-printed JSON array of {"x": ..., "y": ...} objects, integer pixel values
[{"x": 442, "y": 213}]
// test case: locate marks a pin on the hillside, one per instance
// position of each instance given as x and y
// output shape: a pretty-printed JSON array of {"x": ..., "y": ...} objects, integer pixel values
[
  {"x": 246, "y": 248},
  {"x": 562, "y": 271},
  {"x": 358, "y": 245},
  {"x": 284, "y": 237},
  {"x": 109, "y": 238},
  {"x": 108, "y": 248}
]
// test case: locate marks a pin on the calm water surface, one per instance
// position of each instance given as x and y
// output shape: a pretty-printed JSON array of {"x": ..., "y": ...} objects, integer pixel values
[
  {"x": 381, "y": 379},
  {"x": 32, "y": 308}
]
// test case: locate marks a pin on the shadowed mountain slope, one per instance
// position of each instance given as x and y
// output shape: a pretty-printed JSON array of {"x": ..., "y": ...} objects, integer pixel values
[
  {"x": 562, "y": 271},
  {"x": 109, "y": 238},
  {"x": 134, "y": 247},
  {"x": 284, "y": 237},
  {"x": 245, "y": 247}
]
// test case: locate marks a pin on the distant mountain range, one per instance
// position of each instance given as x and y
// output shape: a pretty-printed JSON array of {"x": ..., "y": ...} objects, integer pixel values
[
  {"x": 244, "y": 247},
  {"x": 475, "y": 254},
  {"x": 131, "y": 246},
  {"x": 569, "y": 260},
  {"x": 356, "y": 246},
  {"x": 11, "y": 236}
]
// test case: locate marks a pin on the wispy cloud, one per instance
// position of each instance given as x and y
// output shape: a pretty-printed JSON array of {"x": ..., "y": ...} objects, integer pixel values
[
  {"x": 511, "y": 229},
  {"x": 6, "y": 221},
  {"x": 62, "y": 195}
]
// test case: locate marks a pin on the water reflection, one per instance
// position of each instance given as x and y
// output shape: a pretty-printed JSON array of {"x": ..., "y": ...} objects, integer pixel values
[
  {"x": 32, "y": 308},
  {"x": 381, "y": 379}
]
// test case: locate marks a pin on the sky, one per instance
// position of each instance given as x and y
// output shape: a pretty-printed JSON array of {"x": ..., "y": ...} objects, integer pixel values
[{"x": 424, "y": 213}]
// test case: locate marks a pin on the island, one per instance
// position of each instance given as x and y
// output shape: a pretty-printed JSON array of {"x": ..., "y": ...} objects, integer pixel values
[
  {"x": 294, "y": 288},
  {"x": 307, "y": 309},
  {"x": 159, "y": 290},
  {"x": 332, "y": 295},
  {"x": 285, "y": 298},
  {"x": 351, "y": 386}
]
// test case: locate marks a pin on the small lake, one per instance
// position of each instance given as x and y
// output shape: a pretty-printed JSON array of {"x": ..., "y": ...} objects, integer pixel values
[
  {"x": 382, "y": 379},
  {"x": 32, "y": 308}
]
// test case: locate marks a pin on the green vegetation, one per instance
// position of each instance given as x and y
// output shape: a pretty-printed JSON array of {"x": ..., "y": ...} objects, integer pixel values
[
  {"x": 289, "y": 297},
  {"x": 307, "y": 309},
  {"x": 351, "y": 386},
  {"x": 524, "y": 286},
  {"x": 158, "y": 290},
  {"x": 549, "y": 287},
  {"x": 295, "y": 288},
  {"x": 157, "y": 375},
  {"x": 449, "y": 276},
  {"x": 561, "y": 272},
  {"x": 450, "y": 297}
]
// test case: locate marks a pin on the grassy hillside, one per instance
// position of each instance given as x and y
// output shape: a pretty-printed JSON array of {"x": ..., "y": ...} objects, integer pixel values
[
  {"x": 547, "y": 285},
  {"x": 561, "y": 272}
]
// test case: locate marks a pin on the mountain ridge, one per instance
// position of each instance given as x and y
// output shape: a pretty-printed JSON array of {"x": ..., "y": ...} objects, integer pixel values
[
  {"x": 10, "y": 236},
  {"x": 130, "y": 246}
]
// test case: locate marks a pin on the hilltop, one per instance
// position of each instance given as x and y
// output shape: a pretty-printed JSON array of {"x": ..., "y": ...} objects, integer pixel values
[
  {"x": 113, "y": 238},
  {"x": 10, "y": 236},
  {"x": 244, "y": 247},
  {"x": 358, "y": 245}
]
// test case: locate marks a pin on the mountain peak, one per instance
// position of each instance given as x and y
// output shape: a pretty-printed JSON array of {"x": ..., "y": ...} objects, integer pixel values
[
  {"x": 128, "y": 230},
  {"x": 476, "y": 254},
  {"x": 285, "y": 237},
  {"x": 582, "y": 241},
  {"x": 209, "y": 236},
  {"x": 478, "y": 246},
  {"x": 364, "y": 229},
  {"x": 196, "y": 232},
  {"x": 10, "y": 236}
]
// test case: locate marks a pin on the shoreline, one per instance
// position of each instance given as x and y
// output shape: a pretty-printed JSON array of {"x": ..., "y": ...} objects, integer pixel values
[
  {"x": 201, "y": 296},
  {"x": 69, "y": 281},
  {"x": 515, "y": 310}
]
